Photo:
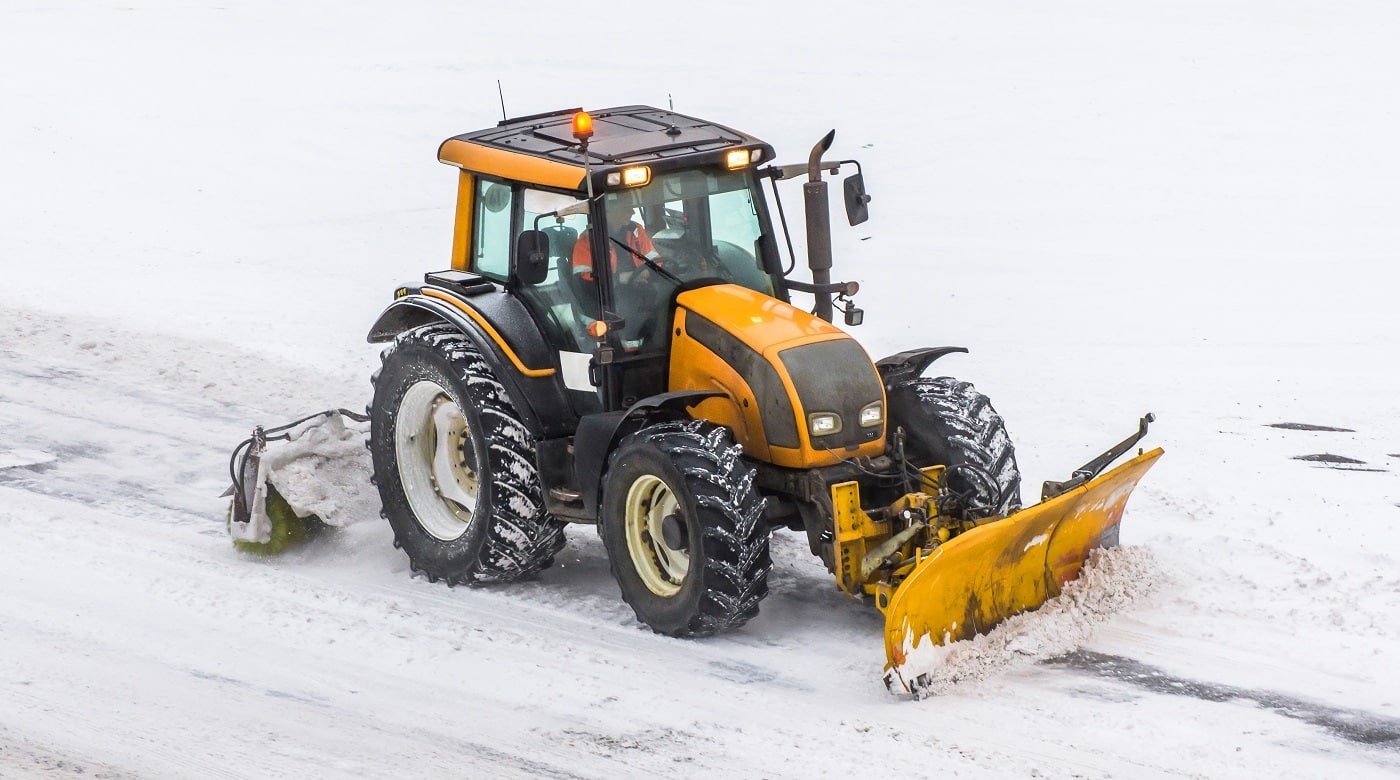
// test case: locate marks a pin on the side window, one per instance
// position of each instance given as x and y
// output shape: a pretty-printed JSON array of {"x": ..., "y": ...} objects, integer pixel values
[
  {"x": 733, "y": 218},
  {"x": 491, "y": 242},
  {"x": 565, "y": 299},
  {"x": 563, "y": 230}
]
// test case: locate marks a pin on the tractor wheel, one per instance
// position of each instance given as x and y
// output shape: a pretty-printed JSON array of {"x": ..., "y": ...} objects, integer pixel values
[
  {"x": 948, "y": 423},
  {"x": 684, "y": 529},
  {"x": 454, "y": 465}
]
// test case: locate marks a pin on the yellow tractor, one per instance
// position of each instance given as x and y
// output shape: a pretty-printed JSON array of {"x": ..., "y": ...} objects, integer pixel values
[{"x": 615, "y": 344}]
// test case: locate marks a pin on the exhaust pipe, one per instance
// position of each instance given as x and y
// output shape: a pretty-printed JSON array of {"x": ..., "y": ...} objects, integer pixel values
[{"x": 819, "y": 226}]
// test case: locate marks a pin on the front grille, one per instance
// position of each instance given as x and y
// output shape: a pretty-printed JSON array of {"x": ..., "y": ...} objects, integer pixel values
[{"x": 835, "y": 376}]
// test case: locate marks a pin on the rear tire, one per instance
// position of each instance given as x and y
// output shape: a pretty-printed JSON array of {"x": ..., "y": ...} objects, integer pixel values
[
  {"x": 948, "y": 423},
  {"x": 436, "y": 398},
  {"x": 692, "y": 471}
]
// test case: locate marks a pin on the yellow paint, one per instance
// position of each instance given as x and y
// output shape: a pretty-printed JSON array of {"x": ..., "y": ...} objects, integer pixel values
[
  {"x": 510, "y": 165},
  {"x": 462, "y": 224},
  {"x": 492, "y": 332},
  {"x": 693, "y": 367},
  {"x": 756, "y": 319},
  {"x": 855, "y": 534},
  {"x": 1013, "y": 565},
  {"x": 767, "y": 326}
]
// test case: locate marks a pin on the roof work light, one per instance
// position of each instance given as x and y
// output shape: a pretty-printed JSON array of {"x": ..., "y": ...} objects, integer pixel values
[{"x": 739, "y": 158}]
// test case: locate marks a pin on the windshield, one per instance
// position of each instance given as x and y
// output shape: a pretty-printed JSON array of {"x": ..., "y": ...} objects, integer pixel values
[
  {"x": 693, "y": 224},
  {"x": 699, "y": 224}
]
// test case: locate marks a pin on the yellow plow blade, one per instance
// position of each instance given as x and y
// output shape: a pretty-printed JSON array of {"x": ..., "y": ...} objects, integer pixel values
[{"x": 1013, "y": 565}]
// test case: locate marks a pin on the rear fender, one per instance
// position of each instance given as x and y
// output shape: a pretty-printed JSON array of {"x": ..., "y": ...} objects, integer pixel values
[{"x": 414, "y": 310}]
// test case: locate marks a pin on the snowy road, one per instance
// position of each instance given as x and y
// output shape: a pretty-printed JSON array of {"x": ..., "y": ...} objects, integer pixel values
[
  {"x": 136, "y": 641},
  {"x": 1187, "y": 208}
]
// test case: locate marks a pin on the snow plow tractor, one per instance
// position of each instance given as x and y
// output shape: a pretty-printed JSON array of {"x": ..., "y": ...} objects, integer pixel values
[{"x": 615, "y": 344}]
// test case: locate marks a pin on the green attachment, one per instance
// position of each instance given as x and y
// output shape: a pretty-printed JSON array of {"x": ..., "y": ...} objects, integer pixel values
[{"x": 288, "y": 530}]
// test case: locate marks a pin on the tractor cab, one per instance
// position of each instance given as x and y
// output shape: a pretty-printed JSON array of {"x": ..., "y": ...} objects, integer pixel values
[{"x": 672, "y": 203}]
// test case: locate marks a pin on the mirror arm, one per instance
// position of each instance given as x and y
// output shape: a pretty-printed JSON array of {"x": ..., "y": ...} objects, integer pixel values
[
  {"x": 781, "y": 172},
  {"x": 843, "y": 289}
]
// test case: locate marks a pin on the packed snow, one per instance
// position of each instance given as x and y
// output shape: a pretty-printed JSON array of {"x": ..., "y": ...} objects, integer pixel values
[
  {"x": 319, "y": 466},
  {"x": 1186, "y": 208},
  {"x": 1111, "y": 583}
]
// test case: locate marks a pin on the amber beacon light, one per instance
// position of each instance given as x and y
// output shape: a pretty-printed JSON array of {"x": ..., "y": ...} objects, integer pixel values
[{"x": 583, "y": 126}]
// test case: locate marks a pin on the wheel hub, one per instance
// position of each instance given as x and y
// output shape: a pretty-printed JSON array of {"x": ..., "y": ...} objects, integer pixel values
[
  {"x": 433, "y": 449},
  {"x": 673, "y": 532},
  {"x": 656, "y": 536}
]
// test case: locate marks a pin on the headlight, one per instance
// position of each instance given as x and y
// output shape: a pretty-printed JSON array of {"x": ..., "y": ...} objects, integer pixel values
[
  {"x": 872, "y": 414},
  {"x": 824, "y": 423}
]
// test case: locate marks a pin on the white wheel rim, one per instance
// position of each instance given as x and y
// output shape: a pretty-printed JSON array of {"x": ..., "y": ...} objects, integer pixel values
[
  {"x": 431, "y": 437},
  {"x": 661, "y": 567}
]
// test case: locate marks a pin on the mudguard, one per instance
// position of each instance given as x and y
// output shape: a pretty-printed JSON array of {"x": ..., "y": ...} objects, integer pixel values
[
  {"x": 910, "y": 364},
  {"x": 529, "y": 377},
  {"x": 597, "y": 433},
  {"x": 983, "y": 576}
]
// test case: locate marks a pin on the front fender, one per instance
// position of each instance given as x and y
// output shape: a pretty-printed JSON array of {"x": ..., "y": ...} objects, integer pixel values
[
  {"x": 597, "y": 433},
  {"x": 910, "y": 364}
]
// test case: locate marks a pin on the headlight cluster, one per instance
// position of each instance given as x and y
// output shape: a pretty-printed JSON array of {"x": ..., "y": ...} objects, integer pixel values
[{"x": 827, "y": 423}]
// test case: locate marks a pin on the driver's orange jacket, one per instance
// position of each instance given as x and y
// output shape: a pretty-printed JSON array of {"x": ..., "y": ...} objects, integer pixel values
[{"x": 637, "y": 239}]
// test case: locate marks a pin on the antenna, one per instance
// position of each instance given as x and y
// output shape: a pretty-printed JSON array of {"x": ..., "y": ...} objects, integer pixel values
[
  {"x": 670, "y": 101},
  {"x": 502, "y": 93}
]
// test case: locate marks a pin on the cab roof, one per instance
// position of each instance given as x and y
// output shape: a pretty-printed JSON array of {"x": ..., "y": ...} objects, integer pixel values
[{"x": 541, "y": 148}]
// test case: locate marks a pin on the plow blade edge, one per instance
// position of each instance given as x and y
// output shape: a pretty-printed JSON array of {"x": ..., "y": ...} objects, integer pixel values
[{"x": 1013, "y": 565}]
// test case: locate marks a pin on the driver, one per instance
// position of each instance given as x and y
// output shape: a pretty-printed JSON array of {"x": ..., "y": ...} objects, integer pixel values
[{"x": 622, "y": 228}]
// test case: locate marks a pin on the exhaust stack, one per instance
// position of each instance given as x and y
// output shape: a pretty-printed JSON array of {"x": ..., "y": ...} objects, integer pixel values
[{"x": 819, "y": 227}]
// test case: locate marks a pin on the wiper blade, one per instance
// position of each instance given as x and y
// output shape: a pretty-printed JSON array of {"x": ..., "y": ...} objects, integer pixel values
[{"x": 650, "y": 263}]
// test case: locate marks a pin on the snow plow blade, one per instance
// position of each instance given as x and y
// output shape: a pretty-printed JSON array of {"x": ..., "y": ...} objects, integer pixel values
[{"x": 978, "y": 579}]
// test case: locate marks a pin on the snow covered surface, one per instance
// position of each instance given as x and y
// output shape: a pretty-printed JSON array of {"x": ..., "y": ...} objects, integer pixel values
[{"x": 1185, "y": 207}]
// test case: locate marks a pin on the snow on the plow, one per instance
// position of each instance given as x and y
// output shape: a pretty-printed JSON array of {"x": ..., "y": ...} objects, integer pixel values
[{"x": 1111, "y": 582}]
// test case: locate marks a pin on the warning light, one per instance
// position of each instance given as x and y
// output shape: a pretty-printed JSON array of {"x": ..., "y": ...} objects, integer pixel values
[
  {"x": 597, "y": 329},
  {"x": 583, "y": 126}
]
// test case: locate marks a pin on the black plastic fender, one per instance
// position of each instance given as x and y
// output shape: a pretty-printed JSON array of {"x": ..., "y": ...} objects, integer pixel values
[
  {"x": 598, "y": 433},
  {"x": 910, "y": 364},
  {"x": 540, "y": 401}
]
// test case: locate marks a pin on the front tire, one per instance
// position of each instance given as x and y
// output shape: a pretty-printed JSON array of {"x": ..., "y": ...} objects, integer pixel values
[
  {"x": 454, "y": 464},
  {"x": 684, "y": 529},
  {"x": 948, "y": 423}
]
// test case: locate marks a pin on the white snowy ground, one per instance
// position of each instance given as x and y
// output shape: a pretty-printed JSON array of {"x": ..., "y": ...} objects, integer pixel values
[{"x": 1188, "y": 208}]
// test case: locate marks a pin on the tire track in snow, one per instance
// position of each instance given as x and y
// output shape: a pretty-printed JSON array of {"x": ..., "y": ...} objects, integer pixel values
[{"x": 1358, "y": 726}]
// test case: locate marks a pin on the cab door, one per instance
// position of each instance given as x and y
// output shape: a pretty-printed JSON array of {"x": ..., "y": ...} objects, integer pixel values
[{"x": 567, "y": 301}]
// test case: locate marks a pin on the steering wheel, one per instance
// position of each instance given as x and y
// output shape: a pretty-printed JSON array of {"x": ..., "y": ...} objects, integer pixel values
[{"x": 695, "y": 262}]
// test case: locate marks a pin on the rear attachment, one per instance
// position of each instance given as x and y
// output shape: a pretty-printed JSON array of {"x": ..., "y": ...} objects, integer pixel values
[{"x": 266, "y": 520}]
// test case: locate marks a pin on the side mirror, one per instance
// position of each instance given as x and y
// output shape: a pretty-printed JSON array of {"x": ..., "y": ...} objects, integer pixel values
[
  {"x": 531, "y": 256},
  {"x": 857, "y": 210}
]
